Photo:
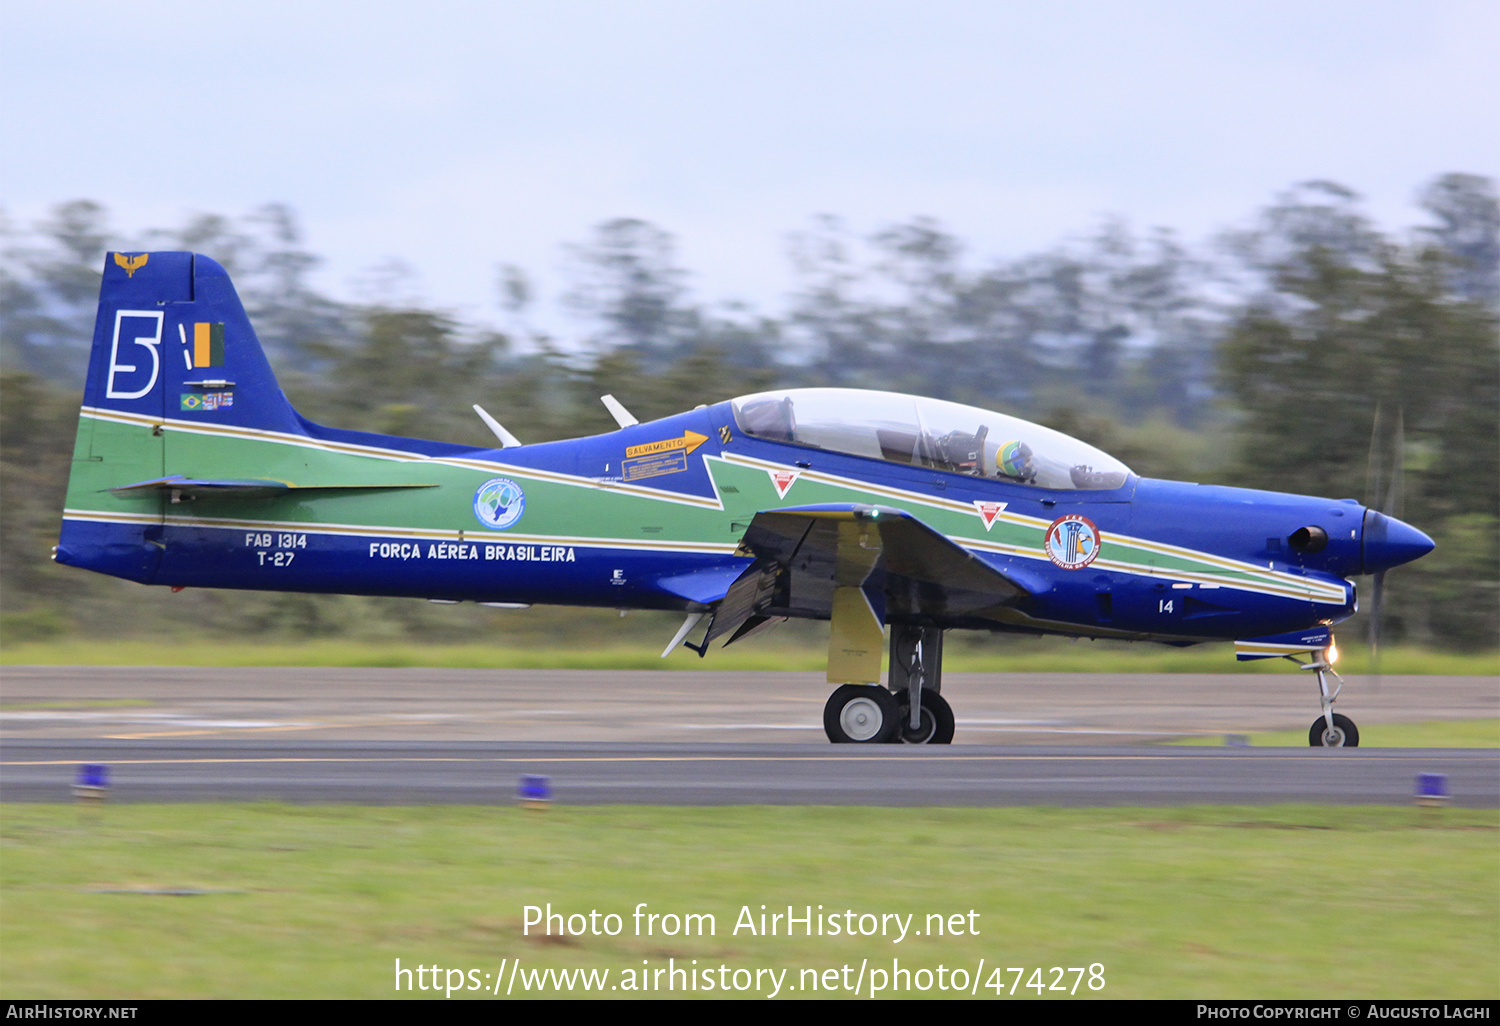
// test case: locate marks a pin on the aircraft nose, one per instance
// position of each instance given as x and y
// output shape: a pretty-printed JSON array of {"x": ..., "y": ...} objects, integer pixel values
[{"x": 1389, "y": 542}]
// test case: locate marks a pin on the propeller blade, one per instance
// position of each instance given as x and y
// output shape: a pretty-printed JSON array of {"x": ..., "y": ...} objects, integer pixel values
[
  {"x": 1377, "y": 600},
  {"x": 1373, "y": 464},
  {"x": 1393, "y": 496},
  {"x": 1383, "y": 492}
]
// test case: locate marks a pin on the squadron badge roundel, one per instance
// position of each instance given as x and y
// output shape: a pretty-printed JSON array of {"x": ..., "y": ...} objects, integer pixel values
[
  {"x": 499, "y": 503},
  {"x": 1072, "y": 542}
]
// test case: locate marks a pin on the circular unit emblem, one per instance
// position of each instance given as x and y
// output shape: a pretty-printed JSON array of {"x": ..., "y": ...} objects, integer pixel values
[
  {"x": 1072, "y": 542},
  {"x": 499, "y": 503}
]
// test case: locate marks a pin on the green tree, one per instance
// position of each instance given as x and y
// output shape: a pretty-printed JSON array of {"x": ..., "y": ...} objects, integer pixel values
[
  {"x": 1468, "y": 230},
  {"x": 1348, "y": 322},
  {"x": 410, "y": 372},
  {"x": 657, "y": 351},
  {"x": 627, "y": 278},
  {"x": 38, "y": 421},
  {"x": 49, "y": 289}
]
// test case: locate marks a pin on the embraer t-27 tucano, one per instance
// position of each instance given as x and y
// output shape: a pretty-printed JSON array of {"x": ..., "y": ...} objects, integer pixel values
[{"x": 869, "y": 509}]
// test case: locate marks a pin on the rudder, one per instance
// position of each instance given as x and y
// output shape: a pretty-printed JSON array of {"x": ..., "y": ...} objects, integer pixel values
[
  {"x": 172, "y": 348},
  {"x": 172, "y": 341}
]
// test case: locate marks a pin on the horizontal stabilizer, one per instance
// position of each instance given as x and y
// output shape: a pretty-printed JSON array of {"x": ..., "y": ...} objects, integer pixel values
[
  {"x": 238, "y": 488},
  {"x": 1275, "y": 646}
]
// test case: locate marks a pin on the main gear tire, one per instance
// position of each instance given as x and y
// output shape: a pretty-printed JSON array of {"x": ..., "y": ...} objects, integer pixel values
[
  {"x": 936, "y": 726},
  {"x": 861, "y": 714}
]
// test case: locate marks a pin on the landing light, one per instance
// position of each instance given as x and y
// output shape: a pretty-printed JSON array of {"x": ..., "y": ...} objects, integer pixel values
[{"x": 1333, "y": 651}]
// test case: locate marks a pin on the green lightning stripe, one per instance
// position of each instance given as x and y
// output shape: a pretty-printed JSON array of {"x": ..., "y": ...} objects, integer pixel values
[
  {"x": 229, "y": 431},
  {"x": 576, "y": 481},
  {"x": 884, "y": 491},
  {"x": 397, "y": 455}
]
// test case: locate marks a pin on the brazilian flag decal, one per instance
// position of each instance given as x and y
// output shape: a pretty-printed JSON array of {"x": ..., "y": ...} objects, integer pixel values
[{"x": 208, "y": 345}]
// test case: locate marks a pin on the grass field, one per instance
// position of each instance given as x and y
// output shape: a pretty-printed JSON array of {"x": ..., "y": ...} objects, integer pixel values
[
  {"x": 794, "y": 652},
  {"x": 321, "y": 901}
]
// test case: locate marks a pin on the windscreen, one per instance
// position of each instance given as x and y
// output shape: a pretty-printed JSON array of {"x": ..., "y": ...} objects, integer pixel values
[{"x": 929, "y": 433}]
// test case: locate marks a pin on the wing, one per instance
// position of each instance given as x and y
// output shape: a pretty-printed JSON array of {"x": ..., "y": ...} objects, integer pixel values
[{"x": 907, "y": 569}]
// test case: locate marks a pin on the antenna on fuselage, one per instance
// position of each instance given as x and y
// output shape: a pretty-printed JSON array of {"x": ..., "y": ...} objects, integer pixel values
[
  {"x": 623, "y": 417},
  {"x": 507, "y": 440}
]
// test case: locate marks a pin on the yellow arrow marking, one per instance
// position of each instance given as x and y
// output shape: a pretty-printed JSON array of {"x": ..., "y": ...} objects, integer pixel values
[{"x": 689, "y": 441}]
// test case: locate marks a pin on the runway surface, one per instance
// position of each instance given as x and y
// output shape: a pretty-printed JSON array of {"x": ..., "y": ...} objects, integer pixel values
[
  {"x": 403, "y": 773},
  {"x": 687, "y": 737}
]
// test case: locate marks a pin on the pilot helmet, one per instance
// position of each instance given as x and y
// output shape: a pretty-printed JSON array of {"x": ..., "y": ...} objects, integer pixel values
[{"x": 1013, "y": 459}]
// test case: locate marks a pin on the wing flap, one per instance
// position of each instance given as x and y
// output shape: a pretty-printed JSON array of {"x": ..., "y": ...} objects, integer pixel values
[
  {"x": 751, "y": 591},
  {"x": 798, "y": 565}
]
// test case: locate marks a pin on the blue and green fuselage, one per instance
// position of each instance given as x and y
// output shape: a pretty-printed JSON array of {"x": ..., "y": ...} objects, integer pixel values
[{"x": 192, "y": 470}]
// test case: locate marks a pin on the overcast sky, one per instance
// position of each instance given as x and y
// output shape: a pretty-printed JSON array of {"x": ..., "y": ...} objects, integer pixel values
[{"x": 457, "y": 136}]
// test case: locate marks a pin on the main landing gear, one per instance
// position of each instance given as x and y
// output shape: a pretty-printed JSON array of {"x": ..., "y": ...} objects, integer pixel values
[
  {"x": 911, "y": 710},
  {"x": 1331, "y": 730}
]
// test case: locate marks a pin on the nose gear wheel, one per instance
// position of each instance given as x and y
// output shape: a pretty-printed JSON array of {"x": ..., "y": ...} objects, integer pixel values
[{"x": 1343, "y": 734}]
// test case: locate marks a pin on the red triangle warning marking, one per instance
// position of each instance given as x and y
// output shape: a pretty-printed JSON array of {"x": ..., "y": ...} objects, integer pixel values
[
  {"x": 783, "y": 479},
  {"x": 988, "y": 511}
]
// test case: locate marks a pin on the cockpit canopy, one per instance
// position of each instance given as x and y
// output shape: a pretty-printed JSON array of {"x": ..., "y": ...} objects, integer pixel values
[{"x": 928, "y": 433}]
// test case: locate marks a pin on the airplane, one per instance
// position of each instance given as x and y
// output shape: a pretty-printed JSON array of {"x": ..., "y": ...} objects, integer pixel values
[{"x": 871, "y": 510}]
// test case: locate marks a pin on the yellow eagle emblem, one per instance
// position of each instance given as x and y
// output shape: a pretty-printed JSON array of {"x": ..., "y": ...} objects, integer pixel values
[{"x": 132, "y": 263}]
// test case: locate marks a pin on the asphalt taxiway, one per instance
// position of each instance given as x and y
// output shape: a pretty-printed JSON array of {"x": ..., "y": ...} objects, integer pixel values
[{"x": 402, "y": 736}]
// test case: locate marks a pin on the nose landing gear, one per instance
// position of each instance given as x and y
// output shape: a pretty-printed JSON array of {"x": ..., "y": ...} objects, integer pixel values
[{"x": 1331, "y": 730}]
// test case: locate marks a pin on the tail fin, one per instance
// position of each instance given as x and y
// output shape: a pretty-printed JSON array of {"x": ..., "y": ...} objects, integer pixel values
[
  {"x": 172, "y": 341},
  {"x": 171, "y": 344}
]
